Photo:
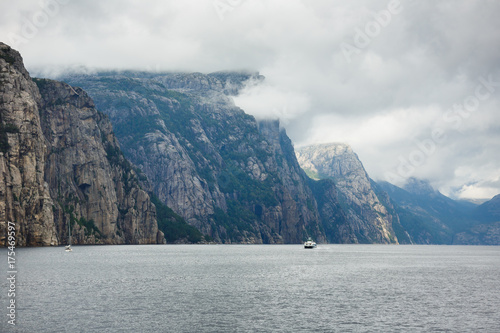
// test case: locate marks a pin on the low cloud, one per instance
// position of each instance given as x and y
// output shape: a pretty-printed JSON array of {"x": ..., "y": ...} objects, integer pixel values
[{"x": 270, "y": 102}]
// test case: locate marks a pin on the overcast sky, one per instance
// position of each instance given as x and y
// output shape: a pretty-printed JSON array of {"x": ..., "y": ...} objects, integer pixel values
[{"x": 412, "y": 86}]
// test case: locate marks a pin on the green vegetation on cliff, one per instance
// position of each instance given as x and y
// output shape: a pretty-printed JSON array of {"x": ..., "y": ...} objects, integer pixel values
[{"x": 173, "y": 226}]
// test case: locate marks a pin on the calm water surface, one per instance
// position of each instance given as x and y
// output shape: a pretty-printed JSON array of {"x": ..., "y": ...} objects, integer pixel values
[{"x": 256, "y": 288}]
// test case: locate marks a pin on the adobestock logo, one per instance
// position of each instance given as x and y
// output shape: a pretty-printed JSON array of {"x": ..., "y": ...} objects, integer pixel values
[
  {"x": 455, "y": 116},
  {"x": 470, "y": 104},
  {"x": 32, "y": 25},
  {"x": 363, "y": 37}
]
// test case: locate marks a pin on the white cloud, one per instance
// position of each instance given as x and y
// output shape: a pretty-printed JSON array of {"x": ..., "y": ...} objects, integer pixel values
[
  {"x": 391, "y": 96},
  {"x": 269, "y": 102}
]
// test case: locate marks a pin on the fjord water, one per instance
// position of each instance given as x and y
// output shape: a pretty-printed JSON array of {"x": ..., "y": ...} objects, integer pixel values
[{"x": 256, "y": 288}]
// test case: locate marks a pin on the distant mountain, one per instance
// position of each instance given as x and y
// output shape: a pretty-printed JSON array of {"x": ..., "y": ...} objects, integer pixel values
[
  {"x": 489, "y": 211},
  {"x": 427, "y": 215},
  {"x": 486, "y": 233},
  {"x": 482, "y": 234},
  {"x": 421, "y": 188},
  {"x": 370, "y": 217}
]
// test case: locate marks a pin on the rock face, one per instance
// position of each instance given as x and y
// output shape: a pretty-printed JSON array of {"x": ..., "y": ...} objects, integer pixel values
[
  {"x": 334, "y": 219},
  {"x": 24, "y": 195},
  {"x": 90, "y": 180},
  {"x": 298, "y": 204},
  {"x": 369, "y": 220},
  {"x": 61, "y": 165},
  {"x": 233, "y": 178}
]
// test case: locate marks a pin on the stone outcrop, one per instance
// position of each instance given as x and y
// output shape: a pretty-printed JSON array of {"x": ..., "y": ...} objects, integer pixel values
[{"x": 61, "y": 165}]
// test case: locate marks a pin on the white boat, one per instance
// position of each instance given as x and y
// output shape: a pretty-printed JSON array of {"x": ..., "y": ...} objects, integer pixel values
[
  {"x": 68, "y": 247},
  {"x": 309, "y": 244}
]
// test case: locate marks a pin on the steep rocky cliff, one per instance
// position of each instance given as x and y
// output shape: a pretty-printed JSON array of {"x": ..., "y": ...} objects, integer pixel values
[
  {"x": 368, "y": 218},
  {"x": 61, "y": 164},
  {"x": 24, "y": 195},
  {"x": 334, "y": 219},
  {"x": 293, "y": 191},
  {"x": 90, "y": 181},
  {"x": 223, "y": 172}
]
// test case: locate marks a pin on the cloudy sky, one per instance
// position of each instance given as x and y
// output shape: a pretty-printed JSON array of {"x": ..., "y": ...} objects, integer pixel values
[{"x": 412, "y": 86}]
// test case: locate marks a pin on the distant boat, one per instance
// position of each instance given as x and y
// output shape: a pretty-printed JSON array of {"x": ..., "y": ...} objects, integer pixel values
[
  {"x": 68, "y": 247},
  {"x": 309, "y": 244}
]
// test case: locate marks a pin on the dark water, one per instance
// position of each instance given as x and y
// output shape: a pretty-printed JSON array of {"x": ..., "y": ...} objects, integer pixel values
[{"x": 256, "y": 288}]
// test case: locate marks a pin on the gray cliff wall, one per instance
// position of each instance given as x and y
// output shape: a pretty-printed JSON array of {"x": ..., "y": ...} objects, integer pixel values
[
  {"x": 90, "y": 180},
  {"x": 62, "y": 165},
  {"x": 24, "y": 194}
]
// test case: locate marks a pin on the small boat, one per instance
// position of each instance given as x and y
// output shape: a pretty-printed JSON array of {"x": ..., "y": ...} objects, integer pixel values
[
  {"x": 309, "y": 244},
  {"x": 68, "y": 247}
]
